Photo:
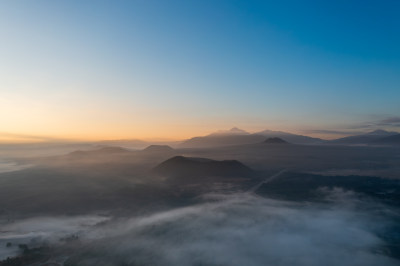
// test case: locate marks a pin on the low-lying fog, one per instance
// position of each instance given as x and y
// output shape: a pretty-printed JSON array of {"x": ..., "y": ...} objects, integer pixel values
[
  {"x": 237, "y": 229},
  {"x": 40, "y": 230},
  {"x": 7, "y": 165}
]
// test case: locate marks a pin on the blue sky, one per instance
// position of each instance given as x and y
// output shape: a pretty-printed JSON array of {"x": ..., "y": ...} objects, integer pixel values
[{"x": 175, "y": 69}]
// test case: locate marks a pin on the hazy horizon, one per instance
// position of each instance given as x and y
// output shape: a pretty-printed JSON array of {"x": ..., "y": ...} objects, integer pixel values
[{"x": 10, "y": 138}]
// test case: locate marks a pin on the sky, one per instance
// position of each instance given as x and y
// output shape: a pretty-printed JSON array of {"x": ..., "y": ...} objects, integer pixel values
[{"x": 147, "y": 69}]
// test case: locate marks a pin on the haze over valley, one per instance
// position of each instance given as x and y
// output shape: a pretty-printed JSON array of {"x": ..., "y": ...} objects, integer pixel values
[{"x": 183, "y": 205}]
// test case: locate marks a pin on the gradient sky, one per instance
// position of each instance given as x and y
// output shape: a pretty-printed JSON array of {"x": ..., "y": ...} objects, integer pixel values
[{"x": 174, "y": 69}]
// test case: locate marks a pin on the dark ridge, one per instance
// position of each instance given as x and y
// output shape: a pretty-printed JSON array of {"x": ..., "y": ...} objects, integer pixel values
[
  {"x": 275, "y": 141},
  {"x": 306, "y": 187},
  {"x": 158, "y": 148},
  {"x": 367, "y": 138},
  {"x": 380, "y": 132},
  {"x": 391, "y": 140},
  {"x": 188, "y": 167}
]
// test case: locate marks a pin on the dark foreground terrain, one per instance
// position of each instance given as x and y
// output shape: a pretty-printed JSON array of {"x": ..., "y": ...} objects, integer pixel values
[{"x": 268, "y": 203}]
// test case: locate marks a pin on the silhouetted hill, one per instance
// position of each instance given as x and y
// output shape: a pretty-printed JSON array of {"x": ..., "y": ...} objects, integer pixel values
[
  {"x": 390, "y": 140},
  {"x": 292, "y": 138},
  {"x": 364, "y": 138},
  {"x": 158, "y": 148},
  {"x": 275, "y": 141},
  {"x": 189, "y": 167}
]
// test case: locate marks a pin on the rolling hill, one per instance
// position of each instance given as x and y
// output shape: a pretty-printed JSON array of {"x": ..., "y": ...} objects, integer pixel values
[{"x": 190, "y": 167}]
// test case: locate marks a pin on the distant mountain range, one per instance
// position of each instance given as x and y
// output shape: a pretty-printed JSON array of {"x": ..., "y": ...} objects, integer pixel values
[
  {"x": 374, "y": 137},
  {"x": 389, "y": 140},
  {"x": 219, "y": 140},
  {"x": 111, "y": 152},
  {"x": 237, "y": 136}
]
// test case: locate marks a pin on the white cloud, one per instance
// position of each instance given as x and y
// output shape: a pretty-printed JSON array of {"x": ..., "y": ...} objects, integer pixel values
[{"x": 246, "y": 230}]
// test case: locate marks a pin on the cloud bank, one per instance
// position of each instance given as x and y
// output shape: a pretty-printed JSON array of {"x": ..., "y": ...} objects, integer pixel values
[{"x": 244, "y": 230}]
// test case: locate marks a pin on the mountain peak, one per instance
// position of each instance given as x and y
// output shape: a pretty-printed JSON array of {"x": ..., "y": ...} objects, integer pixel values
[{"x": 158, "y": 148}]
